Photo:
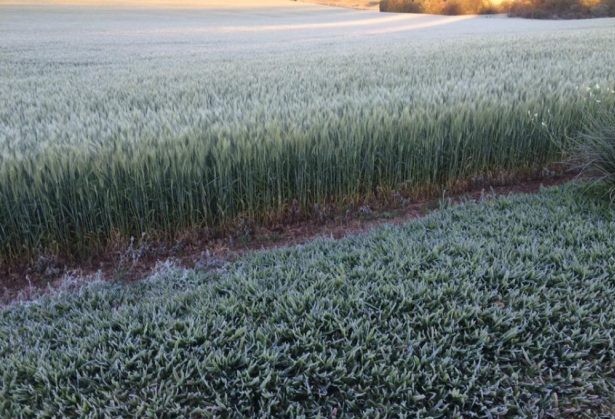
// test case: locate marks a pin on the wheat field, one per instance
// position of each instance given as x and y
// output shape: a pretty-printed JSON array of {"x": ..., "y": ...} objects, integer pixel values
[{"x": 124, "y": 121}]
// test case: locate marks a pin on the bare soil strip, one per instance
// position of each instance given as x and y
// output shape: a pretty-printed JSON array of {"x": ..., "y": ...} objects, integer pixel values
[{"x": 204, "y": 250}]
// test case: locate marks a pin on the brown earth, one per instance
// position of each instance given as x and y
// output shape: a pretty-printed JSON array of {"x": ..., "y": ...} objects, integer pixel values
[{"x": 204, "y": 250}]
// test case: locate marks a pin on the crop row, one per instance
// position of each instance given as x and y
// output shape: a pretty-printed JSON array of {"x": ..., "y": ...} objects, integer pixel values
[{"x": 94, "y": 144}]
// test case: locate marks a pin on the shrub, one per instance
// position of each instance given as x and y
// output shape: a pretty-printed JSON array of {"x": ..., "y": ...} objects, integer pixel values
[
  {"x": 562, "y": 9},
  {"x": 452, "y": 8},
  {"x": 401, "y": 6},
  {"x": 442, "y": 7},
  {"x": 533, "y": 9}
]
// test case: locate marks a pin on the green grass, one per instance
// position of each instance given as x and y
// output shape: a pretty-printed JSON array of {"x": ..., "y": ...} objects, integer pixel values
[
  {"x": 95, "y": 145},
  {"x": 594, "y": 150},
  {"x": 502, "y": 308}
]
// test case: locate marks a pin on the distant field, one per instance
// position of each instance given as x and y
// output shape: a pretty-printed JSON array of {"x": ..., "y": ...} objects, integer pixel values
[
  {"x": 354, "y": 4},
  {"x": 118, "y": 122}
]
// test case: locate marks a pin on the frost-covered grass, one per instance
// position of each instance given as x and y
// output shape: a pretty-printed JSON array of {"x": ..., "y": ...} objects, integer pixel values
[
  {"x": 499, "y": 308},
  {"x": 115, "y": 123}
]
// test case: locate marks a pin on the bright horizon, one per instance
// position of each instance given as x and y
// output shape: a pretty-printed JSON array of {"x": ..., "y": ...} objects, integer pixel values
[
  {"x": 155, "y": 4},
  {"x": 150, "y": 3}
]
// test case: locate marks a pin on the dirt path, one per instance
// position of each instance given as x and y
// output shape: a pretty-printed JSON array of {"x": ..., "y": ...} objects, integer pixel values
[{"x": 204, "y": 250}]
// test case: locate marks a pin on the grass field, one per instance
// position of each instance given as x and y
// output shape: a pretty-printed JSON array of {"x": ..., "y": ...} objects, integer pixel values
[
  {"x": 161, "y": 120},
  {"x": 497, "y": 309},
  {"x": 158, "y": 121}
]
